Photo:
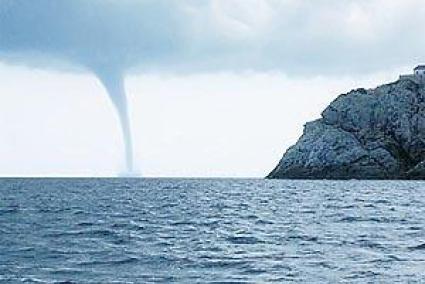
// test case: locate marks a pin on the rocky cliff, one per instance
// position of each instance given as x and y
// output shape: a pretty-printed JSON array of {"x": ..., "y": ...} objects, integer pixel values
[{"x": 364, "y": 134}]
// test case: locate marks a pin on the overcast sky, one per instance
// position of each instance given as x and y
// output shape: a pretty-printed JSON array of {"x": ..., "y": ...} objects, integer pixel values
[{"x": 216, "y": 88}]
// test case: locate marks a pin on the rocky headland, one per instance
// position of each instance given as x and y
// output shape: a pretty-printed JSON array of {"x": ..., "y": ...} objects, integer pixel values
[{"x": 364, "y": 134}]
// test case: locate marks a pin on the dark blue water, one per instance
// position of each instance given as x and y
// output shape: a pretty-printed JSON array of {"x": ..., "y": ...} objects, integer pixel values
[{"x": 211, "y": 231}]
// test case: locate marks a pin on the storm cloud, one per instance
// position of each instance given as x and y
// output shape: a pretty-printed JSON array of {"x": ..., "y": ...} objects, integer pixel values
[{"x": 206, "y": 36}]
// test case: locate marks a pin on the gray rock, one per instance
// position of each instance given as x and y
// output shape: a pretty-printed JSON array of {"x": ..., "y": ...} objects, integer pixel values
[{"x": 364, "y": 134}]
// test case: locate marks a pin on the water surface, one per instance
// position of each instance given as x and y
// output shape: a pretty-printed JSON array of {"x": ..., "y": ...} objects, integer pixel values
[{"x": 211, "y": 231}]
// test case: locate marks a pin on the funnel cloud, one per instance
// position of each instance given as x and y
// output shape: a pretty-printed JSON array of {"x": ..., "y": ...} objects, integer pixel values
[
  {"x": 114, "y": 85},
  {"x": 111, "y": 38}
]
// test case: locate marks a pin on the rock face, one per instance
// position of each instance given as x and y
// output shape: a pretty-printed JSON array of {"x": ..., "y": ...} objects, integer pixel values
[{"x": 364, "y": 134}]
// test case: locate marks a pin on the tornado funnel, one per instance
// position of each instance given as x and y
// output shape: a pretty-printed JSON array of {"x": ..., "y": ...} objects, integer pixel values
[{"x": 113, "y": 82}]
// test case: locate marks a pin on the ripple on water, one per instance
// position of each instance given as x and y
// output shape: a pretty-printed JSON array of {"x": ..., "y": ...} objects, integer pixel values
[
  {"x": 418, "y": 247},
  {"x": 112, "y": 261},
  {"x": 244, "y": 240}
]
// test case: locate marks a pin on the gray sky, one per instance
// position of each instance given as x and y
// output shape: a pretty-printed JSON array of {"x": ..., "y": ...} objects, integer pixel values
[
  {"x": 217, "y": 88},
  {"x": 291, "y": 36}
]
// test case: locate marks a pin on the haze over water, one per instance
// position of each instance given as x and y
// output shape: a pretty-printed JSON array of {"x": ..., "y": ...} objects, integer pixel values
[{"x": 211, "y": 231}]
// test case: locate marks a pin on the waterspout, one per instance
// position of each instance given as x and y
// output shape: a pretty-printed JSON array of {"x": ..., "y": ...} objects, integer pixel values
[{"x": 113, "y": 82}]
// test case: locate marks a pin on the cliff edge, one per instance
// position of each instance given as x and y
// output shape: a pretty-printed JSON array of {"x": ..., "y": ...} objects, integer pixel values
[{"x": 364, "y": 134}]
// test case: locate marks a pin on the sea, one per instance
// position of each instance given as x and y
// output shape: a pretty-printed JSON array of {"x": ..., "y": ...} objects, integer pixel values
[{"x": 211, "y": 231}]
